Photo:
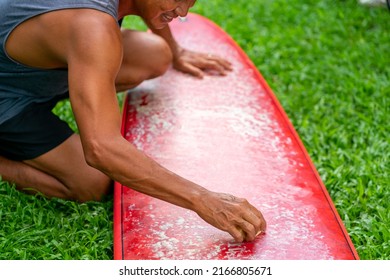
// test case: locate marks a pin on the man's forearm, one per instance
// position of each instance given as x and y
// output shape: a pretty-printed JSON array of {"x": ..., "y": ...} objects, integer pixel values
[{"x": 168, "y": 37}]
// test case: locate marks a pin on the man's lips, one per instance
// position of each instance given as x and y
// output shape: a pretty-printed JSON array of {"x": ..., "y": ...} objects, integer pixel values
[{"x": 167, "y": 18}]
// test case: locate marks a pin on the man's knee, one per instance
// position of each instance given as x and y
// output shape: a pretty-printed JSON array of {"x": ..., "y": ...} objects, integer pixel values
[
  {"x": 157, "y": 58},
  {"x": 151, "y": 60}
]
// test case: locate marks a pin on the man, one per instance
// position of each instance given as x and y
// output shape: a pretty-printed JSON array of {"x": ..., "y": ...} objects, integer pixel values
[{"x": 51, "y": 49}]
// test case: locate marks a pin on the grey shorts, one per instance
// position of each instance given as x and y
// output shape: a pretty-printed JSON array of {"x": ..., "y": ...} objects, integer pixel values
[{"x": 33, "y": 132}]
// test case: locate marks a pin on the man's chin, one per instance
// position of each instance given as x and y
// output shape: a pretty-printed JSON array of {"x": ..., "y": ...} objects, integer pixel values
[{"x": 158, "y": 24}]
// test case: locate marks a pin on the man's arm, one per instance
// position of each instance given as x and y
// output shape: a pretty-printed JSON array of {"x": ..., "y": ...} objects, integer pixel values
[{"x": 94, "y": 57}]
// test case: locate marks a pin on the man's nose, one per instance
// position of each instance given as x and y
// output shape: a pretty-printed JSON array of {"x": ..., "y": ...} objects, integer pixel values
[{"x": 182, "y": 10}]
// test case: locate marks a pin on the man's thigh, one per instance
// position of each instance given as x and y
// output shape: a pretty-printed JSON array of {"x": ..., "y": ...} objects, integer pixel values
[
  {"x": 32, "y": 132},
  {"x": 40, "y": 139}
]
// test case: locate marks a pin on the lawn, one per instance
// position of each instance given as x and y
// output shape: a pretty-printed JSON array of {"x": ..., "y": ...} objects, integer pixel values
[{"x": 328, "y": 62}]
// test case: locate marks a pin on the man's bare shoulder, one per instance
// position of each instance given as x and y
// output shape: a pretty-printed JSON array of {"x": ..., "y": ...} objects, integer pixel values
[{"x": 51, "y": 36}]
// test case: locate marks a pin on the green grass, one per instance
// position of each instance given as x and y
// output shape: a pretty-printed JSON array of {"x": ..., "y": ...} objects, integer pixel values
[
  {"x": 33, "y": 227},
  {"x": 328, "y": 62}
]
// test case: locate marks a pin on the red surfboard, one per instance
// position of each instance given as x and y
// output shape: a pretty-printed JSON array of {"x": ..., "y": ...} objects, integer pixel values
[{"x": 228, "y": 134}]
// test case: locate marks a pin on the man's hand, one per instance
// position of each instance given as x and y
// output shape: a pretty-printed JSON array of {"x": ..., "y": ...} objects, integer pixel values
[
  {"x": 191, "y": 62},
  {"x": 196, "y": 64},
  {"x": 232, "y": 214}
]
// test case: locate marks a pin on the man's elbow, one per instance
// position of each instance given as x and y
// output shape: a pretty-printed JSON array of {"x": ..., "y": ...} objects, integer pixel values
[{"x": 95, "y": 153}]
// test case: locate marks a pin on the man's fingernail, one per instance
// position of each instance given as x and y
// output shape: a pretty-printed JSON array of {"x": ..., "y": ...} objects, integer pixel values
[{"x": 259, "y": 232}]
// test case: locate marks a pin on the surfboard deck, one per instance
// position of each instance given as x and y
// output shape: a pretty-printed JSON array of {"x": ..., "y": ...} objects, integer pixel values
[{"x": 228, "y": 134}]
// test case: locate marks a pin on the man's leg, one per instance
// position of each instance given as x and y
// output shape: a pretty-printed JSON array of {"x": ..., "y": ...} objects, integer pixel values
[
  {"x": 145, "y": 56},
  {"x": 29, "y": 179},
  {"x": 61, "y": 172}
]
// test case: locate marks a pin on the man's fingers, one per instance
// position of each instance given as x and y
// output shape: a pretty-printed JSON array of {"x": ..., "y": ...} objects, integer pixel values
[
  {"x": 220, "y": 61},
  {"x": 256, "y": 218},
  {"x": 216, "y": 64},
  {"x": 252, "y": 227},
  {"x": 225, "y": 64},
  {"x": 193, "y": 70},
  {"x": 249, "y": 231},
  {"x": 244, "y": 232},
  {"x": 252, "y": 223},
  {"x": 196, "y": 64},
  {"x": 237, "y": 233}
]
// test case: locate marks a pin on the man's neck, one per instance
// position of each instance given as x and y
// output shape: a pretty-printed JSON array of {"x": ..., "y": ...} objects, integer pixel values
[{"x": 126, "y": 7}]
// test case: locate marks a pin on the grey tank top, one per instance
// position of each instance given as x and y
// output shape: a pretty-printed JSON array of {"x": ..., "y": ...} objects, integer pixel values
[{"x": 21, "y": 85}]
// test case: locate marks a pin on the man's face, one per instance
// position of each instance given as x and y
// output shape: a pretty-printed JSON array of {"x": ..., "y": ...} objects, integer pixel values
[{"x": 158, "y": 13}]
